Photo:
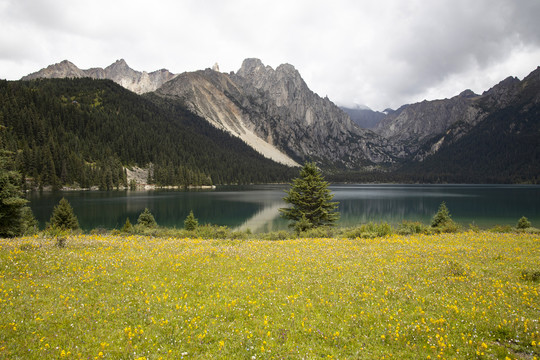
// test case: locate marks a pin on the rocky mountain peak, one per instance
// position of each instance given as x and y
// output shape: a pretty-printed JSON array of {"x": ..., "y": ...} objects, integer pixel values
[
  {"x": 119, "y": 72},
  {"x": 118, "y": 64},
  {"x": 503, "y": 93},
  {"x": 467, "y": 94},
  {"x": 505, "y": 84},
  {"x": 276, "y": 113},
  {"x": 120, "y": 69},
  {"x": 63, "y": 69},
  {"x": 251, "y": 67}
]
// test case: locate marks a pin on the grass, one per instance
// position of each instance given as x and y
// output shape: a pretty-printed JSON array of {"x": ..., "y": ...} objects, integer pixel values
[{"x": 468, "y": 295}]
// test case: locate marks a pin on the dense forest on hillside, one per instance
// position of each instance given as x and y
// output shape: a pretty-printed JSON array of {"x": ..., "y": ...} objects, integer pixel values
[
  {"x": 502, "y": 148},
  {"x": 83, "y": 132}
]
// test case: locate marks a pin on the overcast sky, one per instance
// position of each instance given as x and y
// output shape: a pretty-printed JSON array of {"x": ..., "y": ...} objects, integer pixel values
[{"x": 381, "y": 53}]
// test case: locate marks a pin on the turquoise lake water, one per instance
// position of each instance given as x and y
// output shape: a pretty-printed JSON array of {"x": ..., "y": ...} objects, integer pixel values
[{"x": 256, "y": 207}]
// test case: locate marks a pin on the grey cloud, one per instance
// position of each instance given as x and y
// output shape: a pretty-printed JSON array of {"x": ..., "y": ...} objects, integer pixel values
[{"x": 378, "y": 52}]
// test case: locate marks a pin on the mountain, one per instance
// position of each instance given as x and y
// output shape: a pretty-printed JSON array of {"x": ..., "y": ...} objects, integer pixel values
[
  {"x": 501, "y": 145},
  {"x": 411, "y": 125},
  {"x": 82, "y": 132},
  {"x": 364, "y": 117},
  {"x": 119, "y": 72},
  {"x": 275, "y": 112}
]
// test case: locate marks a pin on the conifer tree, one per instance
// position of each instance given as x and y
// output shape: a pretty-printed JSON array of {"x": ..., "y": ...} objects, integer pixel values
[
  {"x": 311, "y": 200},
  {"x": 146, "y": 219},
  {"x": 13, "y": 210},
  {"x": 442, "y": 216},
  {"x": 191, "y": 222},
  {"x": 63, "y": 216},
  {"x": 127, "y": 226},
  {"x": 523, "y": 223}
]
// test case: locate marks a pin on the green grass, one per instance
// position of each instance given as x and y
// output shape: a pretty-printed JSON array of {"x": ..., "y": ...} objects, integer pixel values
[{"x": 469, "y": 295}]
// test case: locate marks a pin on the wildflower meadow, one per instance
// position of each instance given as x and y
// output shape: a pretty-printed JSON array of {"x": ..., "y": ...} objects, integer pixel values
[{"x": 469, "y": 295}]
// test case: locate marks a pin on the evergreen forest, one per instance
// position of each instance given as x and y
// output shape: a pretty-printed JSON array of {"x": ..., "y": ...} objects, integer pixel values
[{"x": 84, "y": 132}]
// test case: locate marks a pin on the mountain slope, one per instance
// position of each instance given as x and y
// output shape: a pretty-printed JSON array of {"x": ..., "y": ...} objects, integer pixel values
[
  {"x": 413, "y": 126},
  {"x": 504, "y": 146},
  {"x": 203, "y": 92},
  {"x": 277, "y": 107},
  {"x": 81, "y": 131},
  {"x": 119, "y": 72}
]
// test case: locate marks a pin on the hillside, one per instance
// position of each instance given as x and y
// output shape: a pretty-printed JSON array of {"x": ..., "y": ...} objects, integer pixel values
[
  {"x": 503, "y": 146},
  {"x": 275, "y": 111},
  {"x": 82, "y": 132},
  {"x": 461, "y": 139}
]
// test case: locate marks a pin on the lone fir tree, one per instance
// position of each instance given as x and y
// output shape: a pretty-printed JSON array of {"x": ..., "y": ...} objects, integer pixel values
[
  {"x": 311, "y": 201},
  {"x": 63, "y": 216},
  {"x": 146, "y": 219},
  {"x": 191, "y": 222}
]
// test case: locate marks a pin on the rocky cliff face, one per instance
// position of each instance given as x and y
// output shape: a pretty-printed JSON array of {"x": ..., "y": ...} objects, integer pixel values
[
  {"x": 411, "y": 125},
  {"x": 276, "y": 107},
  {"x": 421, "y": 129},
  {"x": 119, "y": 72}
]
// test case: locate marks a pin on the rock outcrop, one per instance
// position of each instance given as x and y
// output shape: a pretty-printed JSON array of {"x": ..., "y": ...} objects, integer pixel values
[
  {"x": 277, "y": 107},
  {"x": 422, "y": 129},
  {"x": 119, "y": 72}
]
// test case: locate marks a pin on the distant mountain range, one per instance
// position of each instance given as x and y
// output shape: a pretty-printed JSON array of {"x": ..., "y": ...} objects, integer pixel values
[
  {"x": 364, "y": 117},
  {"x": 119, "y": 72},
  {"x": 275, "y": 113}
]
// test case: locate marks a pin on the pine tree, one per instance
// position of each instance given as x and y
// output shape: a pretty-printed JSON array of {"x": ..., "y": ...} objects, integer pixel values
[
  {"x": 442, "y": 221},
  {"x": 310, "y": 199},
  {"x": 13, "y": 212},
  {"x": 442, "y": 216},
  {"x": 523, "y": 223},
  {"x": 146, "y": 219},
  {"x": 127, "y": 226},
  {"x": 191, "y": 222},
  {"x": 63, "y": 216}
]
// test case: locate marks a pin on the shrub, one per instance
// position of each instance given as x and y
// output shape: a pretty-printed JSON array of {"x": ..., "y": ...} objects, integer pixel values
[
  {"x": 369, "y": 230},
  {"x": 212, "y": 232},
  {"x": 448, "y": 227},
  {"x": 277, "y": 235},
  {"x": 531, "y": 275},
  {"x": 146, "y": 219},
  {"x": 411, "y": 227},
  {"x": 501, "y": 229},
  {"x": 318, "y": 232},
  {"x": 523, "y": 223}
]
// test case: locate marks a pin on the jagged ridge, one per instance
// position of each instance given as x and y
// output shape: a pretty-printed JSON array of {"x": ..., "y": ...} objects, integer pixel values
[
  {"x": 278, "y": 107},
  {"x": 119, "y": 72}
]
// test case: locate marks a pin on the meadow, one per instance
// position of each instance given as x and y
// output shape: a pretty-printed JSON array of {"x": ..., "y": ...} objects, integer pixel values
[{"x": 468, "y": 295}]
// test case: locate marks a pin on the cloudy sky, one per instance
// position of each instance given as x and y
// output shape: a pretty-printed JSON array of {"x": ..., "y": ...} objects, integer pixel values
[{"x": 381, "y": 53}]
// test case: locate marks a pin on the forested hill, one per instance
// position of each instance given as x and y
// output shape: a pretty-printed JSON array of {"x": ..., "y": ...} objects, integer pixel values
[{"x": 83, "y": 131}]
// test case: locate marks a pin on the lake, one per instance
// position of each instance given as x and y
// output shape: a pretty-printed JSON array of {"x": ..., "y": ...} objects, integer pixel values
[{"x": 256, "y": 207}]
